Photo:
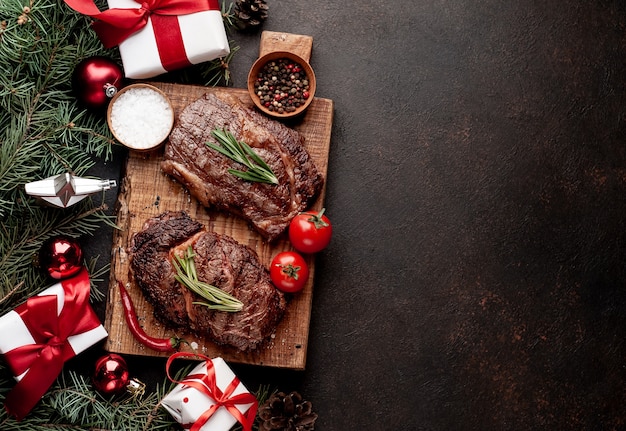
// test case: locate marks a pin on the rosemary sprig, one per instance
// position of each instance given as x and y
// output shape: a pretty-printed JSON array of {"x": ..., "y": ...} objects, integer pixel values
[
  {"x": 187, "y": 275},
  {"x": 242, "y": 153}
]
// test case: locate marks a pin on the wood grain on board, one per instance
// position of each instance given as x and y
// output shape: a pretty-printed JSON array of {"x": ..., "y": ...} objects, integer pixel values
[
  {"x": 146, "y": 192},
  {"x": 298, "y": 44}
]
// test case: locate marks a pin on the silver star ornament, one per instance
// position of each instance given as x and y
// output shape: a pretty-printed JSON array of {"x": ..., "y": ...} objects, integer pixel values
[{"x": 65, "y": 190}]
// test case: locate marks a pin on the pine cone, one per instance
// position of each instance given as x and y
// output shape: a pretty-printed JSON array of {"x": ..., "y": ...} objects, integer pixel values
[
  {"x": 250, "y": 14},
  {"x": 287, "y": 413}
]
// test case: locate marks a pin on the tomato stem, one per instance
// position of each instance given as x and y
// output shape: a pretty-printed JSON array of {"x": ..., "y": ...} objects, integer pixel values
[
  {"x": 317, "y": 220},
  {"x": 291, "y": 270}
]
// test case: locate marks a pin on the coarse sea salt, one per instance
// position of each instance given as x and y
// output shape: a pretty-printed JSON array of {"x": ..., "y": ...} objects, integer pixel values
[{"x": 141, "y": 118}]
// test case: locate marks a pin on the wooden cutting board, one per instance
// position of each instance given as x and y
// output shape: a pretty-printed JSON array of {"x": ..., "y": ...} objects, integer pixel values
[{"x": 146, "y": 192}]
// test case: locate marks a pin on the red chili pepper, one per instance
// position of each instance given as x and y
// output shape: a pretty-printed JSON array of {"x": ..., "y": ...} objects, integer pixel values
[{"x": 158, "y": 344}]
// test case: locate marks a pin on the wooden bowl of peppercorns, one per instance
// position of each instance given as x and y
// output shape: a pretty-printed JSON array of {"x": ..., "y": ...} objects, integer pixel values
[{"x": 281, "y": 84}]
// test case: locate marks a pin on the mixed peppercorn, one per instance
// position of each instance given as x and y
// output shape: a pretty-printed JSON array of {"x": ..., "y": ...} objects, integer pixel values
[{"x": 282, "y": 85}]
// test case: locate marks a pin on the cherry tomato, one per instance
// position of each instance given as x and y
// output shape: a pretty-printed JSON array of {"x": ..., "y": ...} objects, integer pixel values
[
  {"x": 289, "y": 272},
  {"x": 310, "y": 232}
]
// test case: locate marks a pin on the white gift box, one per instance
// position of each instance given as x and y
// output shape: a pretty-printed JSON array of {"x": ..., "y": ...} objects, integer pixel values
[
  {"x": 186, "y": 404},
  {"x": 11, "y": 323},
  {"x": 203, "y": 35}
]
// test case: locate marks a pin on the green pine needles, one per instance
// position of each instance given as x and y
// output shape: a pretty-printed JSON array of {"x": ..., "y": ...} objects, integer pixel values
[
  {"x": 73, "y": 404},
  {"x": 44, "y": 132}
]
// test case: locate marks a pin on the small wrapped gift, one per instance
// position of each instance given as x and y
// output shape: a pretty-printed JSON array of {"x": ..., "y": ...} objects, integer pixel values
[
  {"x": 211, "y": 397},
  {"x": 158, "y": 36},
  {"x": 45, "y": 332}
]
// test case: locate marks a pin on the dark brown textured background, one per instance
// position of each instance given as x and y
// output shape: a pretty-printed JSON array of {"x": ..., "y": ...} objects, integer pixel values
[{"x": 477, "y": 185}]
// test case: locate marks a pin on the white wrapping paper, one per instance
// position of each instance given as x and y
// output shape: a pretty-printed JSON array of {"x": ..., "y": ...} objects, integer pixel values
[
  {"x": 186, "y": 404},
  {"x": 15, "y": 333},
  {"x": 203, "y": 35}
]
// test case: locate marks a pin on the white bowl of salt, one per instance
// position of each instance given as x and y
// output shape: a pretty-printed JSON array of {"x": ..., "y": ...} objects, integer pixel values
[{"x": 140, "y": 116}]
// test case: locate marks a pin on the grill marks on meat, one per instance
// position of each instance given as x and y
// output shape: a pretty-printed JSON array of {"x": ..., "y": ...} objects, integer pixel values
[
  {"x": 204, "y": 172},
  {"x": 236, "y": 269},
  {"x": 221, "y": 261}
]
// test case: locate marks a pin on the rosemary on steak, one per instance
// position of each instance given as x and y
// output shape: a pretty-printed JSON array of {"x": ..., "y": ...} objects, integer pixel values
[
  {"x": 187, "y": 275},
  {"x": 241, "y": 152}
]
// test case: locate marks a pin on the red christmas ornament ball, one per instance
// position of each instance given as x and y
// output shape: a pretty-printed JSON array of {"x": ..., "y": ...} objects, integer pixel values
[
  {"x": 96, "y": 80},
  {"x": 61, "y": 257},
  {"x": 111, "y": 374}
]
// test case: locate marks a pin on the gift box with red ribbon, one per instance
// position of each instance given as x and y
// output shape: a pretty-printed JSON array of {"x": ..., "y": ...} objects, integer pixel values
[
  {"x": 211, "y": 397},
  {"x": 45, "y": 332},
  {"x": 158, "y": 36}
]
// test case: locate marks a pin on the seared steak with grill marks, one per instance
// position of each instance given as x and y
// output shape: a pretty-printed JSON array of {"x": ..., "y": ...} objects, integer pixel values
[
  {"x": 221, "y": 261},
  {"x": 204, "y": 172}
]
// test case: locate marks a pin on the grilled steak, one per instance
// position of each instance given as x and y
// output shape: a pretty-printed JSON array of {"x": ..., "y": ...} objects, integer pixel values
[
  {"x": 204, "y": 172},
  {"x": 221, "y": 261}
]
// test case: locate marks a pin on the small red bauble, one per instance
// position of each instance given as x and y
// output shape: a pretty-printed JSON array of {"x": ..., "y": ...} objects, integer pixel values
[
  {"x": 111, "y": 375},
  {"x": 96, "y": 80},
  {"x": 61, "y": 257}
]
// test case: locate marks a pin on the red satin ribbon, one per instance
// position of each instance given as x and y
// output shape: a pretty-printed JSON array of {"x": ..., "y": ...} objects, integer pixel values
[
  {"x": 206, "y": 384},
  {"x": 169, "y": 41},
  {"x": 44, "y": 360},
  {"x": 114, "y": 25}
]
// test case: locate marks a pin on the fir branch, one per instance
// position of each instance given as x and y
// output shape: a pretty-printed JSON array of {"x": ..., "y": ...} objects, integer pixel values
[
  {"x": 228, "y": 15},
  {"x": 43, "y": 132},
  {"x": 73, "y": 404},
  {"x": 95, "y": 276},
  {"x": 10, "y": 293},
  {"x": 217, "y": 71},
  {"x": 21, "y": 239}
]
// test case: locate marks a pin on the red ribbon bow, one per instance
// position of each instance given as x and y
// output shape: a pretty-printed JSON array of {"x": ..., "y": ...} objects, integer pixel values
[
  {"x": 207, "y": 384},
  {"x": 43, "y": 361},
  {"x": 114, "y": 25}
]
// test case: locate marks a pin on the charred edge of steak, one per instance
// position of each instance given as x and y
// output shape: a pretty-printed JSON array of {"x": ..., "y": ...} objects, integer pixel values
[
  {"x": 204, "y": 172},
  {"x": 221, "y": 261},
  {"x": 152, "y": 269}
]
